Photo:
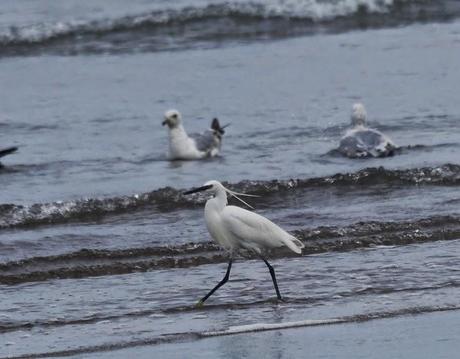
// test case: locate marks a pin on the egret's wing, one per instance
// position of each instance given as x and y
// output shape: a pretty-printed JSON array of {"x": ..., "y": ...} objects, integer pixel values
[
  {"x": 206, "y": 141},
  {"x": 252, "y": 231}
]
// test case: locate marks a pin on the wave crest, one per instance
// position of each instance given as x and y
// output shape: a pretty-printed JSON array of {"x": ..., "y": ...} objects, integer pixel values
[
  {"x": 215, "y": 22},
  {"x": 12, "y": 215},
  {"x": 167, "y": 199}
]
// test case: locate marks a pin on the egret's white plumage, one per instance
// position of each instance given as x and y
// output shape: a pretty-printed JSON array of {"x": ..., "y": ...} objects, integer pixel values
[
  {"x": 362, "y": 141},
  {"x": 237, "y": 229},
  {"x": 193, "y": 147}
]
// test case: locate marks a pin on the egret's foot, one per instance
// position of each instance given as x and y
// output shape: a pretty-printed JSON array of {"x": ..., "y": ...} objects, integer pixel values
[
  {"x": 199, "y": 304},
  {"x": 282, "y": 300}
]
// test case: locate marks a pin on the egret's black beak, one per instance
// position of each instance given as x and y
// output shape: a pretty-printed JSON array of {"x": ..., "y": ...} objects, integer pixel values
[
  {"x": 199, "y": 189},
  {"x": 164, "y": 122}
]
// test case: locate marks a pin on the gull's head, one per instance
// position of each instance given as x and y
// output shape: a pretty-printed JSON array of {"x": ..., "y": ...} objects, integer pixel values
[
  {"x": 172, "y": 118},
  {"x": 358, "y": 115}
]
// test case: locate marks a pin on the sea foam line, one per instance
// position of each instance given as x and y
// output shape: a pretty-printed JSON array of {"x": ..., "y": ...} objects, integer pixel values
[
  {"x": 357, "y": 318},
  {"x": 235, "y": 330},
  {"x": 262, "y": 327}
]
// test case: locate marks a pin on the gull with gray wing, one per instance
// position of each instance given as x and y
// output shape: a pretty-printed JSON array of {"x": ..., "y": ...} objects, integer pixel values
[
  {"x": 361, "y": 141},
  {"x": 195, "y": 146}
]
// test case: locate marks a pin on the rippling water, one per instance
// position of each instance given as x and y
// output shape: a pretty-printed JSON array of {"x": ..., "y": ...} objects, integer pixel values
[{"x": 102, "y": 255}]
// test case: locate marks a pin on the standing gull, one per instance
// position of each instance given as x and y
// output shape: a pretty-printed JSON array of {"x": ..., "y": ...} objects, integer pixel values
[
  {"x": 193, "y": 147},
  {"x": 362, "y": 141},
  {"x": 237, "y": 229}
]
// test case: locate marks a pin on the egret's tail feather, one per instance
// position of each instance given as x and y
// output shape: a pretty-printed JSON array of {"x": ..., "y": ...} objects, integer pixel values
[{"x": 294, "y": 244}]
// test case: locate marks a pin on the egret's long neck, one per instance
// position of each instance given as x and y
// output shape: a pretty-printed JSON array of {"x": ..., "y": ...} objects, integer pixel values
[
  {"x": 213, "y": 211},
  {"x": 219, "y": 201}
]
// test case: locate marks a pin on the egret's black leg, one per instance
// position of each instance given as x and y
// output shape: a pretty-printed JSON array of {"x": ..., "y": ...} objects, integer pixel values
[
  {"x": 272, "y": 273},
  {"x": 220, "y": 284}
]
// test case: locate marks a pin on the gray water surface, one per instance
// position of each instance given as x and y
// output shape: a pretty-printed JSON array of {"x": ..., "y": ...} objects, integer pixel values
[{"x": 102, "y": 256}]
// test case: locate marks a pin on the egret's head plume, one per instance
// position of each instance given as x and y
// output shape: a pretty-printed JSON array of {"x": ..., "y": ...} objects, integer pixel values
[{"x": 216, "y": 187}]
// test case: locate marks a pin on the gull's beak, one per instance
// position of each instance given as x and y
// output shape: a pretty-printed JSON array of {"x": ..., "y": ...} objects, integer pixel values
[{"x": 199, "y": 189}]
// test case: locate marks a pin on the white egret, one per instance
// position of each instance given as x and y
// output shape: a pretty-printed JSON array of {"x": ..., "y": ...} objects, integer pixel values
[
  {"x": 236, "y": 229},
  {"x": 362, "y": 141},
  {"x": 193, "y": 147}
]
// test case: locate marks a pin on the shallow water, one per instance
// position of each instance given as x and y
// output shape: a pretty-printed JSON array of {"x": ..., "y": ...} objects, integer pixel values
[
  {"x": 397, "y": 337},
  {"x": 100, "y": 252}
]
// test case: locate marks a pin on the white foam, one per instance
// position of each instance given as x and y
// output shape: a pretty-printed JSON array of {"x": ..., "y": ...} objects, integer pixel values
[
  {"x": 321, "y": 10},
  {"x": 260, "y": 327},
  {"x": 311, "y": 9}
]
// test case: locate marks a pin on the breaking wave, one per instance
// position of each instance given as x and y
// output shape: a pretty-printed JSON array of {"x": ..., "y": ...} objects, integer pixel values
[
  {"x": 178, "y": 28},
  {"x": 168, "y": 199}
]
